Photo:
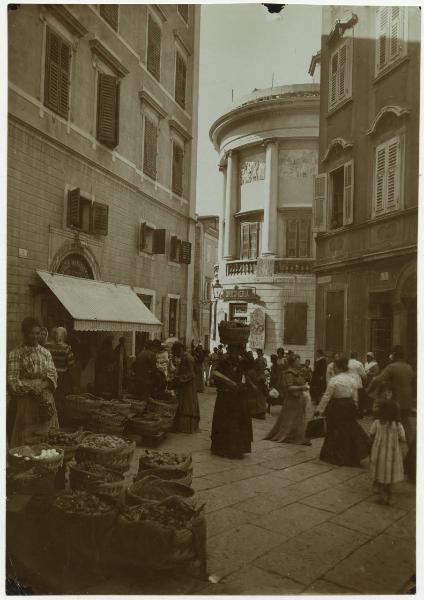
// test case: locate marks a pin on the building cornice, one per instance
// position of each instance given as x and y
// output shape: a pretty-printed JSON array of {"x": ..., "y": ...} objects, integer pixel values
[
  {"x": 173, "y": 124},
  {"x": 398, "y": 111},
  {"x": 146, "y": 98},
  {"x": 335, "y": 265},
  {"x": 160, "y": 11},
  {"x": 107, "y": 57},
  {"x": 344, "y": 144},
  {"x": 67, "y": 19},
  {"x": 183, "y": 44}
]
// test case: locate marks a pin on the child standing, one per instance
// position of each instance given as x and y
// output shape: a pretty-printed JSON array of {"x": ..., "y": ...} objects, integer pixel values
[{"x": 386, "y": 458}]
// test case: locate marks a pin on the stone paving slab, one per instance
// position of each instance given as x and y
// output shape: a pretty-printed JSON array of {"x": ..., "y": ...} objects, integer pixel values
[
  {"x": 337, "y": 499},
  {"x": 369, "y": 517},
  {"x": 323, "y": 587},
  {"x": 243, "y": 472},
  {"x": 382, "y": 566},
  {"x": 263, "y": 503},
  {"x": 312, "y": 553},
  {"x": 225, "y": 519},
  {"x": 202, "y": 483},
  {"x": 224, "y": 495},
  {"x": 303, "y": 471},
  {"x": 292, "y": 520},
  {"x": 253, "y": 581},
  {"x": 404, "y": 528}
]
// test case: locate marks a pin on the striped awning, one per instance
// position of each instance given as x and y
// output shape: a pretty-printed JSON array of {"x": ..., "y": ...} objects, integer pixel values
[{"x": 101, "y": 305}]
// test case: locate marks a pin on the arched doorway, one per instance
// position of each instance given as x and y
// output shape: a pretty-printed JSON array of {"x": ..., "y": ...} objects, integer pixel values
[{"x": 77, "y": 266}]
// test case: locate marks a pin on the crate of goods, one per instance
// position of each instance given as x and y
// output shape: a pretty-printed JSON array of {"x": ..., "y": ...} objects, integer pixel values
[
  {"x": 40, "y": 457},
  {"x": 96, "y": 479},
  {"x": 155, "y": 459},
  {"x": 31, "y": 482},
  {"x": 233, "y": 332},
  {"x": 153, "y": 488},
  {"x": 66, "y": 441},
  {"x": 110, "y": 451},
  {"x": 162, "y": 535},
  {"x": 167, "y": 474}
]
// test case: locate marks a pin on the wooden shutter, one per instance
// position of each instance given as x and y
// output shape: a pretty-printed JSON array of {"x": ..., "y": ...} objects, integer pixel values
[
  {"x": 332, "y": 93},
  {"x": 153, "y": 47},
  {"x": 382, "y": 35},
  {"x": 173, "y": 247},
  {"x": 291, "y": 238},
  {"x": 73, "y": 208},
  {"x": 253, "y": 240},
  {"x": 99, "y": 218},
  {"x": 180, "y": 80},
  {"x": 380, "y": 177},
  {"x": 393, "y": 174},
  {"x": 110, "y": 13},
  {"x": 396, "y": 32},
  {"x": 108, "y": 110},
  {"x": 57, "y": 74},
  {"x": 185, "y": 253},
  {"x": 150, "y": 148},
  {"x": 244, "y": 241},
  {"x": 348, "y": 193},
  {"x": 304, "y": 238},
  {"x": 142, "y": 236},
  {"x": 159, "y": 241},
  {"x": 342, "y": 72},
  {"x": 295, "y": 323},
  {"x": 320, "y": 202},
  {"x": 177, "y": 169}
]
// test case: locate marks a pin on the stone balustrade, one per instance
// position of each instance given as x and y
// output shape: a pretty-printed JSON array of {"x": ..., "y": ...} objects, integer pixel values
[
  {"x": 241, "y": 267},
  {"x": 293, "y": 266}
]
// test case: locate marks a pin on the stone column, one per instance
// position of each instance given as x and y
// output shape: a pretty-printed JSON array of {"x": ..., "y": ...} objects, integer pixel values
[
  {"x": 223, "y": 170},
  {"x": 231, "y": 196},
  {"x": 269, "y": 228}
]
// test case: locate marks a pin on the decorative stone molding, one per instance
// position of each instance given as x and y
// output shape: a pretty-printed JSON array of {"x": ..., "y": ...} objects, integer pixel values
[
  {"x": 67, "y": 19},
  {"x": 99, "y": 50},
  {"x": 146, "y": 98},
  {"x": 252, "y": 171},
  {"x": 398, "y": 111},
  {"x": 341, "y": 142},
  {"x": 173, "y": 124}
]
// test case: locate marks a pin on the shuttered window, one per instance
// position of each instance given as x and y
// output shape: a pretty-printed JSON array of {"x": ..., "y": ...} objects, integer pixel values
[
  {"x": 298, "y": 233},
  {"x": 249, "y": 240},
  {"x": 150, "y": 148},
  {"x": 348, "y": 193},
  {"x": 174, "y": 249},
  {"x": 390, "y": 35},
  {"x": 145, "y": 238},
  {"x": 57, "y": 74},
  {"x": 340, "y": 74},
  {"x": 180, "y": 80},
  {"x": 154, "y": 36},
  {"x": 172, "y": 317},
  {"x": 320, "y": 203},
  {"x": 159, "y": 241},
  {"x": 295, "y": 323},
  {"x": 185, "y": 253},
  {"x": 108, "y": 110},
  {"x": 177, "y": 168},
  {"x": 183, "y": 11},
  {"x": 99, "y": 218},
  {"x": 110, "y": 13},
  {"x": 387, "y": 187},
  {"x": 92, "y": 217}
]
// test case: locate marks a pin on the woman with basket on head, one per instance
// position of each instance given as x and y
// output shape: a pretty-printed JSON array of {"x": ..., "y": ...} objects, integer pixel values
[
  {"x": 232, "y": 425},
  {"x": 32, "y": 380}
]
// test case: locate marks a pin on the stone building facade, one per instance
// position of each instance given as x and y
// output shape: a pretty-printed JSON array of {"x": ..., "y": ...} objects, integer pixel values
[
  {"x": 205, "y": 259},
  {"x": 102, "y": 155},
  {"x": 268, "y": 153},
  {"x": 366, "y": 192}
]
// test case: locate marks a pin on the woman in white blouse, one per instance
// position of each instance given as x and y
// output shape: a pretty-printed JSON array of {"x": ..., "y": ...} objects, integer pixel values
[{"x": 346, "y": 443}]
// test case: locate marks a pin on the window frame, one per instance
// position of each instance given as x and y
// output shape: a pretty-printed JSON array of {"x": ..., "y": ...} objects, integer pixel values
[
  {"x": 302, "y": 340},
  {"x": 181, "y": 145},
  {"x": 242, "y": 224},
  {"x": 91, "y": 205},
  {"x": 64, "y": 40},
  {"x": 147, "y": 117},
  {"x": 402, "y": 53},
  {"x": 298, "y": 219},
  {"x": 113, "y": 143},
  {"x": 146, "y": 227},
  {"x": 346, "y": 42},
  {"x": 348, "y": 211},
  {"x": 385, "y": 143},
  {"x": 184, "y": 58},
  {"x": 151, "y": 16}
]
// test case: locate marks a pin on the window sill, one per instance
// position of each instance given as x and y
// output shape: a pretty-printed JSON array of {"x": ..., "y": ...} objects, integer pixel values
[
  {"x": 146, "y": 254},
  {"x": 174, "y": 263},
  {"x": 338, "y": 106},
  {"x": 388, "y": 70}
]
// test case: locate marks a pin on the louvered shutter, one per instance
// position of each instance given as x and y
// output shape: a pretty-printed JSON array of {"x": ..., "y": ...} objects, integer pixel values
[
  {"x": 291, "y": 240},
  {"x": 177, "y": 169},
  {"x": 393, "y": 174},
  {"x": 348, "y": 193},
  {"x": 332, "y": 93},
  {"x": 57, "y": 73},
  {"x": 110, "y": 13},
  {"x": 108, "y": 110},
  {"x": 153, "y": 47},
  {"x": 244, "y": 241},
  {"x": 150, "y": 148},
  {"x": 74, "y": 208},
  {"x": 159, "y": 241},
  {"x": 253, "y": 240},
  {"x": 142, "y": 236},
  {"x": 342, "y": 72},
  {"x": 320, "y": 202},
  {"x": 304, "y": 238},
  {"x": 180, "y": 80},
  {"x": 382, "y": 35},
  {"x": 185, "y": 253},
  {"x": 99, "y": 218},
  {"x": 173, "y": 247},
  {"x": 380, "y": 177},
  {"x": 396, "y": 32}
]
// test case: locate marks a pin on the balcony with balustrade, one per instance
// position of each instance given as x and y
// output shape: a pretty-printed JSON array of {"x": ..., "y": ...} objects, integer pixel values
[
  {"x": 267, "y": 267},
  {"x": 240, "y": 268}
]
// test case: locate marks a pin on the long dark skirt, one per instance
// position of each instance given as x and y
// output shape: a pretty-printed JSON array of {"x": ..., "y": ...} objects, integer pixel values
[
  {"x": 231, "y": 425},
  {"x": 346, "y": 443}
]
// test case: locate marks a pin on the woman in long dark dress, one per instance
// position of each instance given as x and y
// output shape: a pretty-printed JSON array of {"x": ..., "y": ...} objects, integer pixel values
[
  {"x": 232, "y": 425},
  {"x": 345, "y": 443},
  {"x": 188, "y": 414}
]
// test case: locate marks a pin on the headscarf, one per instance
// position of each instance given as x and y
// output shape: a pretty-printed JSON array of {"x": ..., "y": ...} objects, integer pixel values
[{"x": 60, "y": 335}]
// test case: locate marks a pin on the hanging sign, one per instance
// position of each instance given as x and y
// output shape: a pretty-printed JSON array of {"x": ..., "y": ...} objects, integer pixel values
[
  {"x": 257, "y": 328},
  {"x": 246, "y": 294}
]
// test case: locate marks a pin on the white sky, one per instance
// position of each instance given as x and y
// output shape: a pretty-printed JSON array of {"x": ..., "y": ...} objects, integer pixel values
[{"x": 240, "y": 48}]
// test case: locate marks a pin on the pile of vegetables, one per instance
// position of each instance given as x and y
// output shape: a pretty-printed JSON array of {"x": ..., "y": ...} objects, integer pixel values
[
  {"x": 103, "y": 441},
  {"x": 156, "y": 458},
  {"x": 168, "y": 513},
  {"x": 62, "y": 438},
  {"x": 28, "y": 453},
  {"x": 81, "y": 503},
  {"x": 97, "y": 472}
]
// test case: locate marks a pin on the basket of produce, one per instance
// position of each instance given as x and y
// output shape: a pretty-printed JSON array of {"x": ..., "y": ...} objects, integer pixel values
[
  {"x": 233, "y": 332},
  {"x": 30, "y": 482},
  {"x": 66, "y": 441},
  {"x": 147, "y": 424},
  {"x": 96, "y": 479},
  {"x": 164, "y": 409},
  {"x": 155, "y": 459},
  {"x": 122, "y": 407},
  {"x": 167, "y": 474},
  {"x": 41, "y": 457},
  {"x": 161, "y": 535},
  {"x": 153, "y": 488},
  {"x": 110, "y": 451},
  {"x": 138, "y": 406}
]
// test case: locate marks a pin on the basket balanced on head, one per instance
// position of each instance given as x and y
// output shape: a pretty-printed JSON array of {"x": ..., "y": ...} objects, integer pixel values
[{"x": 233, "y": 332}]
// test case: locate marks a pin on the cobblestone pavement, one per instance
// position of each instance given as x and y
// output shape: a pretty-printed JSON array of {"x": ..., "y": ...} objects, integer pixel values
[{"x": 282, "y": 522}]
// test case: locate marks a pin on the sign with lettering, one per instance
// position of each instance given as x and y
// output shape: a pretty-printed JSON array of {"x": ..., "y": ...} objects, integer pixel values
[
  {"x": 239, "y": 294},
  {"x": 75, "y": 265},
  {"x": 257, "y": 328}
]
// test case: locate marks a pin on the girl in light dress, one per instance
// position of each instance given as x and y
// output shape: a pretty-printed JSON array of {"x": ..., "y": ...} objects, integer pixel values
[{"x": 388, "y": 439}]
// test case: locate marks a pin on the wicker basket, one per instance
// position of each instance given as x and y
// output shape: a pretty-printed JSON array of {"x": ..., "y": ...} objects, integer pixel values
[
  {"x": 165, "y": 409},
  {"x": 122, "y": 407},
  {"x": 234, "y": 335},
  {"x": 31, "y": 483},
  {"x": 68, "y": 449},
  {"x": 138, "y": 406},
  {"x": 117, "y": 459},
  {"x": 183, "y": 463},
  {"x": 19, "y": 464},
  {"x": 170, "y": 474},
  {"x": 154, "y": 488},
  {"x": 147, "y": 425},
  {"x": 92, "y": 483}
]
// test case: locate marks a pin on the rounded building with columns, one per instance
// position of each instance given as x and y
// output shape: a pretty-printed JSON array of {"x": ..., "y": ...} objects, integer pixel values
[{"x": 268, "y": 156}]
